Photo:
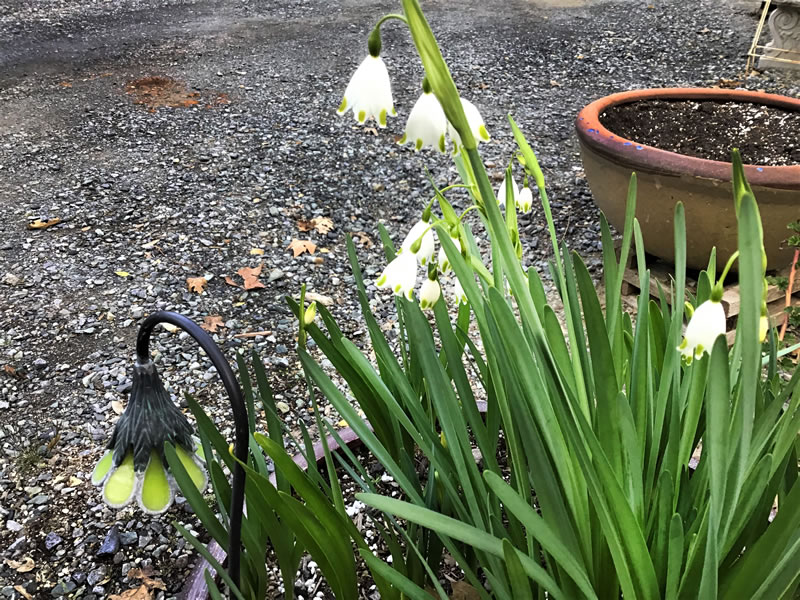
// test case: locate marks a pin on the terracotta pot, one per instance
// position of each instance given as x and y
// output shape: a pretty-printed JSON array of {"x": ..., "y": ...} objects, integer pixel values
[
  {"x": 195, "y": 587},
  {"x": 704, "y": 186}
]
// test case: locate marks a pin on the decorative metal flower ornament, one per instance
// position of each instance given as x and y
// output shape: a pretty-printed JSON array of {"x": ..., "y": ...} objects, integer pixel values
[{"x": 134, "y": 466}]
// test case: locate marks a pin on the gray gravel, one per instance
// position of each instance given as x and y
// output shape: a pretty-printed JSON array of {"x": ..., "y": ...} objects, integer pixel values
[{"x": 172, "y": 193}]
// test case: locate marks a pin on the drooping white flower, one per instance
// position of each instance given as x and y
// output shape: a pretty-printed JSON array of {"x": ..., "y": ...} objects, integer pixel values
[
  {"x": 501, "y": 193},
  {"x": 400, "y": 275},
  {"x": 444, "y": 262},
  {"x": 369, "y": 93},
  {"x": 427, "y": 244},
  {"x": 476, "y": 124},
  {"x": 426, "y": 125},
  {"x": 458, "y": 292},
  {"x": 525, "y": 199},
  {"x": 429, "y": 293},
  {"x": 706, "y": 324}
]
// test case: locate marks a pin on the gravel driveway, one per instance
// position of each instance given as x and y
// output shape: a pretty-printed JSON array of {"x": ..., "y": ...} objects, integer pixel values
[{"x": 177, "y": 139}]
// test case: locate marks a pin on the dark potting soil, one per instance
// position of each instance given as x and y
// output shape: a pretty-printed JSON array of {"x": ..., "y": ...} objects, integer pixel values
[{"x": 707, "y": 129}]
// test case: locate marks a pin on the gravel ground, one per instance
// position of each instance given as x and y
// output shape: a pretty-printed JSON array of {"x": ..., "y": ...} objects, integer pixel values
[{"x": 150, "y": 195}]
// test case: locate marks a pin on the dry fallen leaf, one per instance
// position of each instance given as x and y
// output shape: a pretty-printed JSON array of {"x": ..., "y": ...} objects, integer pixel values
[
  {"x": 230, "y": 281},
  {"x": 304, "y": 225},
  {"x": 13, "y": 372},
  {"x": 140, "y": 593},
  {"x": 250, "y": 276},
  {"x": 363, "y": 239},
  {"x": 299, "y": 246},
  {"x": 117, "y": 407},
  {"x": 39, "y": 224},
  {"x": 24, "y": 566},
  {"x": 212, "y": 322},
  {"x": 323, "y": 224},
  {"x": 463, "y": 591},
  {"x": 23, "y": 592},
  {"x": 314, "y": 297},
  {"x": 122, "y": 273},
  {"x": 256, "y": 251},
  {"x": 146, "y": 576},
  {"x": 251, "y": 334},
  {"x": 196, "y": 284}
]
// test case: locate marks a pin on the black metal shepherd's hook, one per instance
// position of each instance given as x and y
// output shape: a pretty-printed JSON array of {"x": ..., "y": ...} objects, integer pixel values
[{"x": 238, "y": 407}]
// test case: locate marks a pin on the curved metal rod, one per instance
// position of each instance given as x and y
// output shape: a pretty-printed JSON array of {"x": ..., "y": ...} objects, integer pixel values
[{"x": 242, "y": 431}]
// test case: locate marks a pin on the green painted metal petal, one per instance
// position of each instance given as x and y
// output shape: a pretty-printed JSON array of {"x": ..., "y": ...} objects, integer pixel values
[
  {"x": 119, "y": 487},
  {"x": 156, "y": 492},
  {"x": 102, "y": 468},
  {"x": 197, "y": 474}
]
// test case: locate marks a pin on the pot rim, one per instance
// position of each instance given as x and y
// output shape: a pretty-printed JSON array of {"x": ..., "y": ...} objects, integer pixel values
[{"x": 641, "y": 157}]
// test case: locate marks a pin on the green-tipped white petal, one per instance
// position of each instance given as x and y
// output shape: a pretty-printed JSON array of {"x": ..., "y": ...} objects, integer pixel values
[
  {"x": 400, "y": 275},
  {"x": 369, "y": 93},
  {"x": 525, "y": 199},
  {"x": 156, "y": 493},
  {"x": 458, "y": 292},
  {"x": 426, "y": 125},
  {"x": 476, "y": 125},
  {"x": 501, "y": 192},
  {"x": 429, "y": 293},
  {"x": 706, "y": 324},
  {"x": 102, "y": 468},
  {"x": 120, "y": 486},
  {"x": 423, "y": 230}
]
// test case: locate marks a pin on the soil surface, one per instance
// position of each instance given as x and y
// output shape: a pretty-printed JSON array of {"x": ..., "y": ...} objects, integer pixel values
[
  {"x": 765, "y": 135},
  {"x": 147, "y": 142}
]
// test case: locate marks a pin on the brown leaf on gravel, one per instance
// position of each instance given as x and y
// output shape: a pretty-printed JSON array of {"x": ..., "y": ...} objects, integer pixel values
[
  {"x": 304, "y": 225},
  {"x": 13, "y": 372},
  {"x": 212, "y": 322},
  {"x": 299, "y": 246},
  {"x": 146, "y": 577},
  {"x": 250, "y": 276},
  {"x": 140, "y": 593},
  {"x": 230, "y": 281},
  {"x": 26, "y": 565},
  {"x": 23, "y": 592},
  {"x": 363, "y": 239},
  {"x": 323, "y": 224},
  {"x": 463, "y": 591},
  {"x": 39, "y": 224},
  {"x": 196, "y": 284}
]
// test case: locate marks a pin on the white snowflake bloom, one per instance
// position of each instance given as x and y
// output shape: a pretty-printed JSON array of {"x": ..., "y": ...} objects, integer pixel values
[
  {"x": 706, "y": 324},
  {"x": 501, "y": 192},
  {"x": 458, "y": 292},
  {"x": 369, "y": 92},
  {"x": 427, "y": 245},
  {"x": 444, "y": 263},
  {"x": 400, "y": 275},
  {"x": 429, "y": 293},
  {"x": 525, "y": 199},
  {"x": 426, "y": 125},
  {"x": 476, "y": 124}
]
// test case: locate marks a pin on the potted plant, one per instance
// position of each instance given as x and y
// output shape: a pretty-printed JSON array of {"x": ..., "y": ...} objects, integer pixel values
[{"x": 677, "y": 141}]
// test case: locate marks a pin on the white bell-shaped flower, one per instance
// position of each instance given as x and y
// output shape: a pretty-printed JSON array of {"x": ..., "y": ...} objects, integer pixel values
[
  {"x": 426, "y": 125},
  {"x": 458, "y": 292},
  {"x": 706, "y": 324},
  {"x": 525, "y": 199},
  {"x": 369, "y": 93},
  {"x": 400, "y": 275},
  {"x": 423, "y": 230},
  {"x": 444, "y": 263},
  {"x": 476, "y": 124},
  {"x": 501, "y": 192},
  {"x": 429, "y": 293}
]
